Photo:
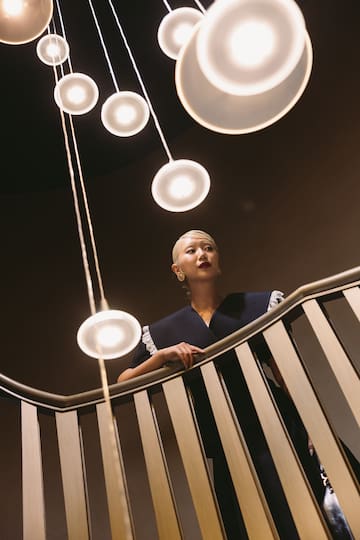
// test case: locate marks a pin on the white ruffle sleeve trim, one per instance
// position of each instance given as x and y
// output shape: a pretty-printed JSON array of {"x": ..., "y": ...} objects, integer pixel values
[
  {"x": 275, "y": 298},
  {"x": 148, "y": 341}
]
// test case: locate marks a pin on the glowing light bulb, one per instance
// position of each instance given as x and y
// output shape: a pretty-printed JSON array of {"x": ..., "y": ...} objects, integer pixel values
[
  {"x": 180, "y": 185},
  {"x": 13, "y": 7},
  {"x": 182, "y": 33},
  {"x": 109, "y": 334},
  {"x": 176, "y": 28},
  {"x": 252, "y": 43},
  {"x": 76, "y": 93},
  {"x": 52, "y": 49},
  {"x": 125, "y": 114}
]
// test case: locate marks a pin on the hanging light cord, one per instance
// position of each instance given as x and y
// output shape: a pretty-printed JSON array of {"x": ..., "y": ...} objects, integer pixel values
[
  {"x": 84, "y": 195},
  {"x": 166, "y": 4},
  {"x": 103, "y": 375},
  {"x": 62, "y": 30},
  {"x": 85, "y": 260},
  {"x": 104, "y": 46},
  {"x": 200, "y": 6},
  {"x": 141, "y": 82}
]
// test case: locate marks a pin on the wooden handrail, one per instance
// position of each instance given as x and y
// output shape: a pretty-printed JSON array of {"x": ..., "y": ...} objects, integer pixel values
[{"x": 58, "y": 402}]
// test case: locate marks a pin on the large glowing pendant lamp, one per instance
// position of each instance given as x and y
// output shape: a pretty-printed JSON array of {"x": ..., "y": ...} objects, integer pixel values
[
  {"x": 109, "y": 334},
  {"x": 175, "y": 29},
  {"x": 125, "y": 113},
  {"x": 180, "y": 185},
  {"x": 76, "y": 93},
  {"x": 22, "y": 21},
  {"x": 221, "y": 107},
  {"x": 52, "y": 50}
]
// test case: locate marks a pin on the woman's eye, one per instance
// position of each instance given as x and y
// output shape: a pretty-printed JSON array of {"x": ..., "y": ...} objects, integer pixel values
[
  {"x": 190, "y": 251},
  {"x": 209, "y": 248}
]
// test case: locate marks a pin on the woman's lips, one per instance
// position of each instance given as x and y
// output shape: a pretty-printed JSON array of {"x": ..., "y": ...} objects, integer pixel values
[{"x": 204, "y": 265}]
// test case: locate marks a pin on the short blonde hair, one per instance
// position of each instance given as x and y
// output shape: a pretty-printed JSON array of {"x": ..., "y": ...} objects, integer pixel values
[{"x": 190, "y": 234}]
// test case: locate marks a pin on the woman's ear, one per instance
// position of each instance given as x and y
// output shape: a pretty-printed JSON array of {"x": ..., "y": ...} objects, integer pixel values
[{"x": 179, "y": 273}]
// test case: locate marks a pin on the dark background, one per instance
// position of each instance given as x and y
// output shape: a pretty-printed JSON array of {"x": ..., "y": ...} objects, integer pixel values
[{"x": 283, "y": 204}]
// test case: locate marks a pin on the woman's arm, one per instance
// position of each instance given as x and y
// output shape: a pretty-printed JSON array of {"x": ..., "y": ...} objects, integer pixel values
[{"x": 183, "y": 352}]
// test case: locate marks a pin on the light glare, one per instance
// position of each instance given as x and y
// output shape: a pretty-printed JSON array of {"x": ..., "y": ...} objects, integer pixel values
[
  {"x": 125, "y": 114},
  {"x": 252, "y": 43},
  {"x": 53, "y": 50},
  {"x": 109, "y": 336},
  {"x": 181, "y": 186},
  {"x": 13, "y": 7},
  {"x": 182, "y": 33},
  {"x": 76, "y": 94}
]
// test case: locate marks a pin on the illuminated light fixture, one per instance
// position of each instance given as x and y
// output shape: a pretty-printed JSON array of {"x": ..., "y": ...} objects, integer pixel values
[
  {"x": 76, "y": 93},
  {"x": 233, "y": 114},
  {"x": 175, "y": 29},
  {"x": 52, "y": 49},
  {"x": 180, "y": 185},
  {"x": 125, "y": 113},
  {"x": 22, "y": 21},
  {"x": 109, "y": 334},
  {"x": 247, "y": 47}
]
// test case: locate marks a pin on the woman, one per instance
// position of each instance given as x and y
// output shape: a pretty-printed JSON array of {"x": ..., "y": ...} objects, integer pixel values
[{"x": 184, "y": 334}]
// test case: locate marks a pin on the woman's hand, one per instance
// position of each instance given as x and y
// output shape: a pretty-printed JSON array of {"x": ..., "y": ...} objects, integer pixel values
[{"x": 183, "y": 352}]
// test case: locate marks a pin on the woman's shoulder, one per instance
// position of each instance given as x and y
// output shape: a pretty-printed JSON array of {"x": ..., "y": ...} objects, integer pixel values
[{"x": 254, "y": 302}]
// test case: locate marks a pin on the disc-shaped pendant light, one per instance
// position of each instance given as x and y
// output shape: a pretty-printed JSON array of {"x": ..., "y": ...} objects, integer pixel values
[
  {"x": 175, "y": 29},
  {"x": 76, "y": 93},
  {"x": 125, "y": 113},
  {"x": 180, "y": 185},
  {"x": 52, "y": 49},
  {"x": 109, "y": 334}
]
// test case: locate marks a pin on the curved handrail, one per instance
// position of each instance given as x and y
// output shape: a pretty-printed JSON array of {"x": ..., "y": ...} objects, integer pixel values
[{"x": 53, "y": 401}]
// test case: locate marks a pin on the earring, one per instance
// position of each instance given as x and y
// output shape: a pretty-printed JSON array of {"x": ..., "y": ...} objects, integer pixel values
[{"x": 181, "y": 275}]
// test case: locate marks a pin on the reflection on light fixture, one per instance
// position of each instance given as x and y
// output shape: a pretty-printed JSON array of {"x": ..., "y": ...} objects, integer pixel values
[
  {"x": 247, "y": 47},
  {"x": 52, "y": 49},
  {"x": 125, "y": 113},
  {"x": 76, "y": 93},
  {"x": 109, "y": 334},
  {"x": 22, "y": 21},
  {"x": 175, "y": 29},
  {"x": 226, "y": 113},
  {"x": 180, "y": 185}
]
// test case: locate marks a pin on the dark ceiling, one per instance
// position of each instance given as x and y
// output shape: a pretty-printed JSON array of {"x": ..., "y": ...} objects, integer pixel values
[{"x": 283, "y": 201}]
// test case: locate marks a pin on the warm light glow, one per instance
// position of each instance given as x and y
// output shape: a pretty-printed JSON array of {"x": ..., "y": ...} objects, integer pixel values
[
  {"x": 180, "y": 185},
  {"x": 22, "y": 21},
  {"x": 251, "y": 43},
  {"x": 125, "y": 114},
  {"x": 109, "y": 334},
  {"x": 52, "y": 49},
  {"x": 232, "y": 114},
  {"x": 182, "y": 33},
  {"x": 176, "y": 28},
  {"x": 13, "y": 7},
  {"x": 76, "y": 93},
  {"x": 247, "y": 47}
]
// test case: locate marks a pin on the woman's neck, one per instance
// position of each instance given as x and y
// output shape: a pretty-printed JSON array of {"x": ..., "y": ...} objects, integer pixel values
[{"x": 205, "y": 298}]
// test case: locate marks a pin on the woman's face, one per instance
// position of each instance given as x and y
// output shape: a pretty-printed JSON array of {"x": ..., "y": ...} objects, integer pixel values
[{"x": 198, "y": 258}]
